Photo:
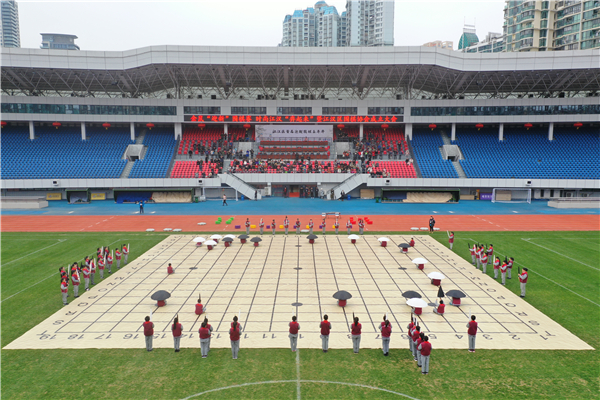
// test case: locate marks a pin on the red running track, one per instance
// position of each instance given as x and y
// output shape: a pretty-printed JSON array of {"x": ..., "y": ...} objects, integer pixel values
[{"x": 381, "y": 223}]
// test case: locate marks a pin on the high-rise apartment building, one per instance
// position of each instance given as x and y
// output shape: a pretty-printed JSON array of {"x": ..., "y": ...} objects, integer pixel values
[
  {"x": 552, "y": 25},
  {"x": 364, "y": 23},
  {"x": 58, "y": 41},
  {"x": 370, "y": 23},
  {"x": 11, "y": 36}
]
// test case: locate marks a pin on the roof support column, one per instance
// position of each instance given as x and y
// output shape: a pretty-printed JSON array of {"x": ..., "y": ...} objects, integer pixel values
[
  {"x": 551, "y": 131},
  {"x": 132, "y": 131},
  {"x": 226, "y": 131},
  {"x": 31, "y": 130},
  {"x": 409, "y": 131},
  {"x": 360, "y": 132},
  {"x": 177, "y": 130},
  {"x": 453, "y": 132},
  {"x": 501, "y": 133},
  {"x": 83, "y": 132}
]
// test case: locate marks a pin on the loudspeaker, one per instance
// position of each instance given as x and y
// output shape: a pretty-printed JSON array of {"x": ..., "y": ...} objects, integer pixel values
[
  {"x": 527, "y": 183},
  {"x": 387, "y": 181},
  {"x": 199, "y": 181},
  {"x": 54, "y": 183}
]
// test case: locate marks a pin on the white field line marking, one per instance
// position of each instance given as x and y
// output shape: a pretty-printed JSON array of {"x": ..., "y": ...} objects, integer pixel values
[
  {"x": 528, "y": 240},
  {"x": 29, "y": 287},
  {"x": 37, "y": 251},
  {"x": 298, "y": 393},
  {"x": 556, "y": 283},
  {"x": 302, "y": 381}
]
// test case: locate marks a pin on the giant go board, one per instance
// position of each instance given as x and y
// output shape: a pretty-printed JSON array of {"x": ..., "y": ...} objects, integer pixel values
[{"x": 287, "y": 276}]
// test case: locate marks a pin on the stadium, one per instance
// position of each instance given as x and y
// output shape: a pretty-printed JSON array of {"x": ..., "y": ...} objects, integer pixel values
[{"x": 151, "y": 148}]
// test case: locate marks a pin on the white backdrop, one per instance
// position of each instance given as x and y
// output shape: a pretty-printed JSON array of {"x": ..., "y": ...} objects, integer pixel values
[{"x": 294, "y": 132}]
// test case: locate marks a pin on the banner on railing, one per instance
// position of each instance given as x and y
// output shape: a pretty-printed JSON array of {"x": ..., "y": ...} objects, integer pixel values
[
  {"x": 53, "y": 196},
  {"x": 294, "y": 132}
]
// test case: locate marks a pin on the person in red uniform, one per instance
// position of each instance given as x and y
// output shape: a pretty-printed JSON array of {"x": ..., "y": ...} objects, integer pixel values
[
  {"x": 349, "y": 226},
  {"x": 361, "y": 226},
  {"x": 484, "y": 259},
  {"x": 210, "y": 329},
  {"x": 523, "y": 280},
  {"x": 101, "y": 265},
  {"x": 324, "y": 226},
  {"x": 386, "y": 333},
  {"x": 412, "y": 242},
  {"x": 286, "y": 224},
  {"x": 503, "y": 269},
  {"x": 177, "y": 330},
  {"x": 92, "y": 271},
  {"x": 310, "y": 226},
  {"x": 490, "y": 251},
  {"x": 325, "y": 330},
  {"x": 118, "y": 257},
  {"x": 417, "y": 345},
  {"x": 356, "y": 329},
  {"x": 336, "y": 226},
  {"x": 294, "y": 328},
  {"x": 415, "y": 336},
  {"x": 85, "y": 270},
  {"x": 425, "y": 348},
  {"x": 234, "y": 337},
  {"x": 472, "y": 332},
  {"x": 261, "y": 226},
  {"x": 204, "y": 338},
  {"x": 148, "y": 332},
  {"x": 247, "y": 224},
  {"x": 63, "y": 273},
  {"x": 451, "y": 239},
  {"x": 411, "y": 328},
  {"x": 170, "y": 269},
  {"x": 199, "y": 307},
  {"x": 473, "y": 251},
  {"x": 109, "y": 262},
  {"x": 496, "y": 267},
  {"x": 273, "y": 226},
  {"x": 64, "y": 289},
  {"x": 76, "y": 280},
  {"x": 297, "y": 226},
  {"x": 440, "y": 308},
  {"x": 125, "y": 252},
  {"x": 509, "y": 265}
]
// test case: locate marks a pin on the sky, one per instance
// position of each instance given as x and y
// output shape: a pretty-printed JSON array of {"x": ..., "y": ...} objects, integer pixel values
[{"x": 125, "y": 25}]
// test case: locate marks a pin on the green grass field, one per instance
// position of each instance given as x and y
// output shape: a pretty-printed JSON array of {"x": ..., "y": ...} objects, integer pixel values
[{"x": 564, "y": 284}]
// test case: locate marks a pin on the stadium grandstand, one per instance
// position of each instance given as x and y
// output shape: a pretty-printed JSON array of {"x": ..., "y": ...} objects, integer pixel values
[{"x": 260, "y": 119}]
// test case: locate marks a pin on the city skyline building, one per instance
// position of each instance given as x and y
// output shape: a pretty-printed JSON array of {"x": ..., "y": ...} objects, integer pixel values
[
  {"x": 370, "y": 23},
  {"x": 11, "y": 35},
  {"x": 493, "y": 43},
  {"x": 363, "y": 23},
  {"x": 468, "y": 37},
  {"x": 551, "y": 25},
  {"x": 58, "y": 41}
]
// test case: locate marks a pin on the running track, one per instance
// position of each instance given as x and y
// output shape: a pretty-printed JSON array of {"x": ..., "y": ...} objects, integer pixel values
[{"x": 381, "y": 223}]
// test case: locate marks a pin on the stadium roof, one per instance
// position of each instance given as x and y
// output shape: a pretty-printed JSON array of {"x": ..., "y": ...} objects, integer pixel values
[{"x": 359, "y": 72}]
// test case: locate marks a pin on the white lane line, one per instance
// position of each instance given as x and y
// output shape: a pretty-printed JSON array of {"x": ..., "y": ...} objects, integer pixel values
[
  {"x": 528, "y": 240},
  {"x": 451, "y": 212},
  {"x": 302, "y": 381},
  {"x": 37, "y": 251},
  {"x": 556, "y": 283},
  {"x": 29, "y": 287},
  {"x": 298, "y": 393}
]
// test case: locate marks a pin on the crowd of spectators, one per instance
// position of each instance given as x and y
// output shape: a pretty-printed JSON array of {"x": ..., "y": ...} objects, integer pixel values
[{"x": 305, "y": 166}]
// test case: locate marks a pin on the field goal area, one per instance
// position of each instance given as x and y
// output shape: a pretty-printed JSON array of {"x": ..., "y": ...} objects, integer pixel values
[{"x": 511, "y": 195}]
